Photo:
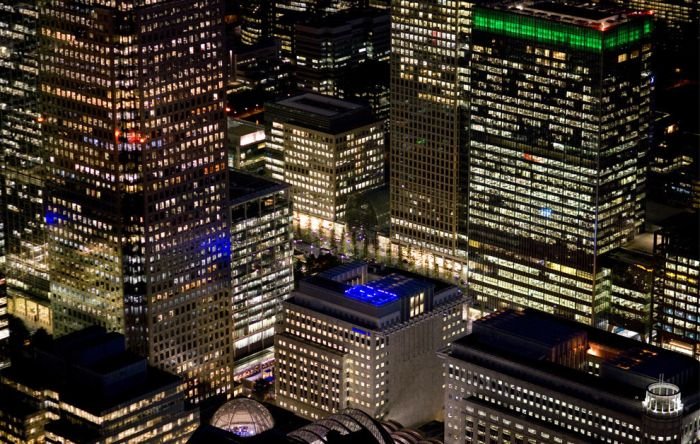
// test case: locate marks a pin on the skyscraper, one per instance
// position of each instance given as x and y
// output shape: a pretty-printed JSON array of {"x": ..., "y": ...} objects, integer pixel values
[
  {"x": 133, "y": 126},
  {"x": 262, "y": 272},
  {"x": 559, "y": 122},
  {"x": 428, "y": 149},
  {"x": 23, "y": 165}
]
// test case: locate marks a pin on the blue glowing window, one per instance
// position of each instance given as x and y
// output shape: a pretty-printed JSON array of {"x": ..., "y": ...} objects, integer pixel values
[
  {"x": 52, "y": 218},
  {"x": 360, "y": 331},
  {"x": 214, "y": 246},
  {"x": 369, "y": 295},
  {"x": 546, "y": 212}
]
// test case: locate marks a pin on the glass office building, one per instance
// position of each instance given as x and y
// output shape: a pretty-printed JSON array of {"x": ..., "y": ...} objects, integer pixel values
[
  {"x": 428, "y": 86},
  {"x": 133, "y": 127},
  {"x": 559, "y": 121},
  {"x": 23, "y": 165}
]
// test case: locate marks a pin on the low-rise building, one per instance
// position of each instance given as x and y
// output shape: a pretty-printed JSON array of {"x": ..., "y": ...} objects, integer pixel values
[
  {"x": 366, "y": 339},
  {"x": 530, "y": 377},
  {"x": 677, "y": 285},
  {"x": 85, "y": 387},
  {"x": 246, "y": 146}
]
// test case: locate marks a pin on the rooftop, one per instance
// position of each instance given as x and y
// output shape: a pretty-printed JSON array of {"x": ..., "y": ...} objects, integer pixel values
[
  {"x": 587, "y": 27},
  {"x": 90, "y": 369},
  {"x": 627, "y": 366},
  {"x": 244, "y": 186},
  {"x": 322, "y": 113},
  {"x": 321, "y": 105},
  {"x": 372, "y": 300}
]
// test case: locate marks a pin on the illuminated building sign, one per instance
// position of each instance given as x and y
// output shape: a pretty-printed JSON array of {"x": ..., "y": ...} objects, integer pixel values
[
  {"x": 369, "y": 295},
  {"x": 546, "y": 31}
]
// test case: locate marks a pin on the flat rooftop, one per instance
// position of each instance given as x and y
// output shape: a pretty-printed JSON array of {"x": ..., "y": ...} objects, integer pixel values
[
  {"x": 587, "y": 27},
  {"x": 237, "y": 127},
  {"x": 244, "y": 186},
  {"x": 321, "y": 113},
  {"x": 373, "y": 299},
  {"x": 593, "y": 15},
  {"x": 627, "y": 366},
  {"x": 320, "y": 105},
  {"x": 535, "y": 326}
]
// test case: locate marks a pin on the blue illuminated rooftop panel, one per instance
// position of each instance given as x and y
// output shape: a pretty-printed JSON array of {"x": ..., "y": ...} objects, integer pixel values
[{"x": 369, "y": 295}]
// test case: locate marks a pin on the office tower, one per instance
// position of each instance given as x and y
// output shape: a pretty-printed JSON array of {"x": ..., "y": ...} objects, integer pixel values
[
  {"x": 95, "y": 391},
  {"x": 522, "y": 377},
  {"x": 20, "y": 421},
  {"x": 559, "y": 122},
  {"x": 369, "y": 83},
  {"x": 134, "y": 128},
  {"x": 246, "y": 146},
  {"x": 428, "y": 150},
  {"x": 261, "y": 267},
  {"x": 326, "y": 49},
  {"x": 631, "y": 281},
  {"x": 255, "y": 74},
  {"x": 23, "y": 165},
  {"x": 258, "y": 21},
  {"x": 677, "y": 285},
  {"x": 677, "y": 25},
  {"x": 328, "y": 150},
  {"x": 674, "y": 162},
  {"x": 319, "y": 7},
  {"x": 351, "y": 338}
]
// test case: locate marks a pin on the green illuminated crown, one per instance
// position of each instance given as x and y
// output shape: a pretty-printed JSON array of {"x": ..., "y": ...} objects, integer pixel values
[{"x": 514, "y": 24}]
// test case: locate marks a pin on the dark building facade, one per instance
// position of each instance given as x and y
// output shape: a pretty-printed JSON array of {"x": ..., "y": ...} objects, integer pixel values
[
  {"x": 23, "y": 165},
  {"x": 95, "y": 391},
  {"x": 326, "y": 49},
  {"x": 134, "y": 127},
  {"x": 677, "y": 285}
]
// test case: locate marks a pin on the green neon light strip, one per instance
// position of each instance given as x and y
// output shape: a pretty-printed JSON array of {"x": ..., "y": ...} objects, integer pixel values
[{"x": 546, "y": 31}]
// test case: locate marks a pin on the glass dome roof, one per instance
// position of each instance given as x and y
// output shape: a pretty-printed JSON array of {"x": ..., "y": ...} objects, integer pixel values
[{"x": 243, "y": 417}]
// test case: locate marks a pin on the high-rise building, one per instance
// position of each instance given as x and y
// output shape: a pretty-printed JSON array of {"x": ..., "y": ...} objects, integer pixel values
[
  {"x": 23, "y": 165},
  {"x": 328, "y": 150},
  {"x": 352, "y": 338},
  {"x": 677, "y": 285},
  {"x": 558, "y": 133},
  {"x": 261, "y": 267},
  {"x": 326, "y": 49},
  {"x": 428, "y": 162},
  {"x": 677, "y": 23},
  {"x": 257, "y": 21},
  {"x": 246, "y": 146},
  {"x": 134, "y": 130},
  {"x": 674, "y": 162},
  {"x": 86, "y": 387},
  {"x": 530, "y": 377}
]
